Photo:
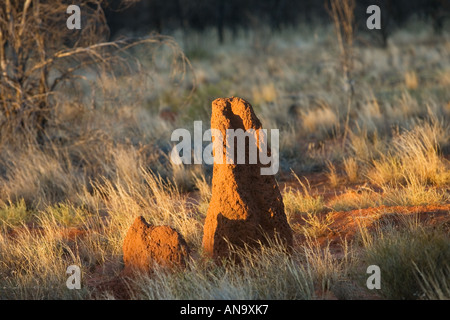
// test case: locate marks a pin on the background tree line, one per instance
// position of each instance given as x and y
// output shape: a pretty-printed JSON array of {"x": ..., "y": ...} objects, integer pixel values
[{"x": 164, "y": 16}]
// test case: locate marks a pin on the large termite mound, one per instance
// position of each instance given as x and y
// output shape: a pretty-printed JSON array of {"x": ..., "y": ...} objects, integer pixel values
[
  {"x": 246, "y": 207},
  {"x": 146, "y": 245}
]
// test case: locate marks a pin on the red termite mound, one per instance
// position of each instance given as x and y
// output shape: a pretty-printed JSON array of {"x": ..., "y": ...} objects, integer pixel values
[
  {"x": 146, "y": 245},
  {"x": 246, "y": 207}
]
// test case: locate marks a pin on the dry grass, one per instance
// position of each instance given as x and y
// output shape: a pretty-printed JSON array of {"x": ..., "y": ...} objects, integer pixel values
[
  {"x": 299, "y": 202},
  {"x": 251, "y": 279},
  {"x": 322, "y": 120},
  {"x": 332, "y": 175},
  {"x": 289, "y": 276},
  {"x": 316, "y": 226},
  {"x": 411, "y": 80},
  {"x": 351, "y": 169},
  {"x": 404, "y": 255},
  {"x": 106, "y": 162},
  {"x": 359, "y": 199},
  {"x": 413, "y": 155}
]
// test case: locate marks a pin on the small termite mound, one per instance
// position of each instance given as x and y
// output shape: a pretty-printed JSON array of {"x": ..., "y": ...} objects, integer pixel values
[{"x": 146, "y": 245}]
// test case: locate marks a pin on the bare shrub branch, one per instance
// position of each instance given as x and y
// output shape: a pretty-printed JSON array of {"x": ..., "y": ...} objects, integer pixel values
[{"x": 38, "y": 53}]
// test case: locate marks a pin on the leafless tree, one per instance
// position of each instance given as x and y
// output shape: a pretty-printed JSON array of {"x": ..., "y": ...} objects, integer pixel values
[
  {"x": 342, "y": 12},
  {"x": 38, "y": 53}
]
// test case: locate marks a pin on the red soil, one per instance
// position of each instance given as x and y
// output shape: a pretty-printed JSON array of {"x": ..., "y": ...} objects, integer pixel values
[{"x": 346, "y": 224}]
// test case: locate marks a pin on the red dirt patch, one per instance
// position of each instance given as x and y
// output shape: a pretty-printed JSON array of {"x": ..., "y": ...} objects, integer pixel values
[
  {"x": 346, "y": 224},
  {"x": 72, "y": 233}
]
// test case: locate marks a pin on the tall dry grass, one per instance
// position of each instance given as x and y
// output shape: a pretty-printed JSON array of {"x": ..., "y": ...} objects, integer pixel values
[
  {"x": 414, "y": 260},
  {"x": 106, "y": 162}
]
